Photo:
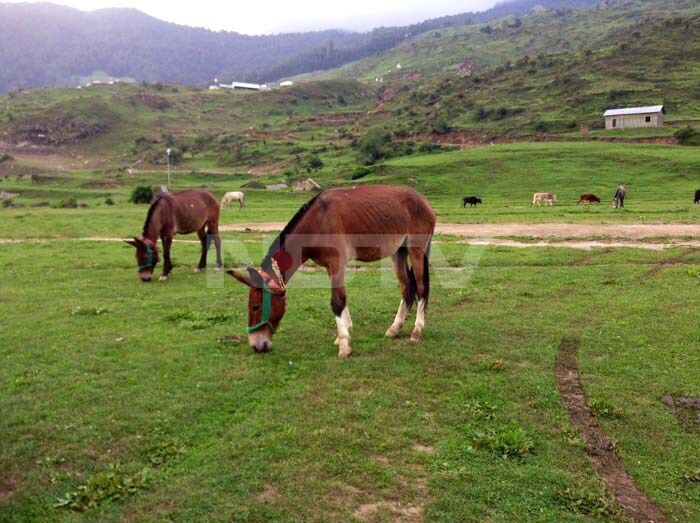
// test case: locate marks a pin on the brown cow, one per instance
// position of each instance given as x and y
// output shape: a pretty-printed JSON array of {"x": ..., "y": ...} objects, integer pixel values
[{"x": 590, "y": 198}]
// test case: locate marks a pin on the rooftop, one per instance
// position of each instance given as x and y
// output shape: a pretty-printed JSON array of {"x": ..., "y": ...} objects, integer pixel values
[{"x": 636, "y": 110}]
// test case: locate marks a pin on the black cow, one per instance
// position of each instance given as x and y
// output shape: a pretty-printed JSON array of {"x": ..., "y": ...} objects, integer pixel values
[
  {"x": 471, "y": 200},
  {"x": 697, "y": 196}
]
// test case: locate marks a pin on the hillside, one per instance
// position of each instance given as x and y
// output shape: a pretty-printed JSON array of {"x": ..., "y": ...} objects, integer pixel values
[
  {"x": 50, "y": 45},
  {"x": 655, "y": 59},
  {"x": 488, "y": 45},
  {"x": 387, "y": 38}
]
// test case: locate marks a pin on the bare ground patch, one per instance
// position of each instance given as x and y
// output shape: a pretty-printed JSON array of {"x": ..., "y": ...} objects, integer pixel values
[
  {"x": 598, "y": 445},
  {"x": 686, "y": 410},
  {"x": 7, "y": 488}
]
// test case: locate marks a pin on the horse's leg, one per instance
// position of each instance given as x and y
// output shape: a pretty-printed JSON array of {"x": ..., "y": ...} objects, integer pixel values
[
  {"x": 213, "y": 230},
  {"x": 339, "y": 305},
  {"x": 419, "y": 261},
  {"x": 167, "y": 264},
  {"x": 204, "y": 241},
  {"x": 240, "y": 204},
  {"x": 402, "y": 274}
]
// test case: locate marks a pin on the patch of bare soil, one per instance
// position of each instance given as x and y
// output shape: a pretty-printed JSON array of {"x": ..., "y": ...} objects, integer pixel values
[
  {"x": 686, "y": 410},
  {"x": 399, "y": 511},
  {"x": 7, "y": 488},
  {"x": 598, "y": 446},
  {"x": 268, "y": 495},
  {"x": 57, "y": 131}
]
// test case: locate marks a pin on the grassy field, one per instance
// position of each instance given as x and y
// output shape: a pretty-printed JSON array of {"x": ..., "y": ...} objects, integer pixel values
[
  {"x": 102, "y": 371},
  {"x": 124, "y": 401},
  {"x": 661, "y": 181}
]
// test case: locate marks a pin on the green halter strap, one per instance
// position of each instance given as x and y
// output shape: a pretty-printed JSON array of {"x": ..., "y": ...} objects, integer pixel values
[
  {"x": 149, "y": 250},
  {"x": 270, "y": 287},
  {"x": 266, "y": 306}
]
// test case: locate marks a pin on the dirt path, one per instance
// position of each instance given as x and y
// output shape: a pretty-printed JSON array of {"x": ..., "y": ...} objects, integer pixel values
[
  {"x": 534, "y": 230},
  {"x": 598, "y": 446},
  {"x": 564, "y": 235}
]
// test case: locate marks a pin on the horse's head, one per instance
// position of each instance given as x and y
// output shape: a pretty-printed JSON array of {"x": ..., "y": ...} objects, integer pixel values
[
  {"x": 146, "y": 256},
  {"x": 267, "y": 303}
]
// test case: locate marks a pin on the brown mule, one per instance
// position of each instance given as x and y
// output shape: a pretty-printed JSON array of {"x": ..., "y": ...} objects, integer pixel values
[
  {"x": 181, "y": 212},
  {"x": 366, "y": 223}
]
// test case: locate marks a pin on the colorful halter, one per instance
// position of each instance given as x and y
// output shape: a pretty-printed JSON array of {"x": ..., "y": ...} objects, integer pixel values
[
  {"x": 270, "y": 287},
  {"x": 150, "y": 248}
]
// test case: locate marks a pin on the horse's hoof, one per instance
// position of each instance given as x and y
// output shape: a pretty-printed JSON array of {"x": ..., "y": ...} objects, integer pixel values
[
  {"x": 217, "y": 268},
  {"x": 164, "y": 277},
  {"x": 344, "y": 354},
  {"x": 197, "y": 269},
  {"x": 392, "y": 333},
  {"x": 416, "y": 336}
]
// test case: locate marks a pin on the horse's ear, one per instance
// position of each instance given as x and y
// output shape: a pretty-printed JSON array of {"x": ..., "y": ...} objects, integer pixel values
[
  {"x": 255, "y": 278},
  {"x": 241, "y": 277},
  {"x": 133, "y": 243}
]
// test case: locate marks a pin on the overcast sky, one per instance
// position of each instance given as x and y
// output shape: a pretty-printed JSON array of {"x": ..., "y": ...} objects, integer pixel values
[{"x": 274, "y": 16}]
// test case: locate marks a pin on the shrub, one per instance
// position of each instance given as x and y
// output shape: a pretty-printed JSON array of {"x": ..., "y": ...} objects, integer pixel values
[
  {"x": 109, "y": 201},
  {"x": 6, "y": 158},
  {"x": 371, "y": 146},
  {"x": 688, "y": 136},
  {"x": 111, "y": 485},
  {"x": 314, "y": 162},
  {"x": 141, "y": 194},
  {"x": 360, "y": 172},
  {"x": 68, "y": 203},
  {"x": 587, "y": 502},
  {"x": 508, "y": 443}
]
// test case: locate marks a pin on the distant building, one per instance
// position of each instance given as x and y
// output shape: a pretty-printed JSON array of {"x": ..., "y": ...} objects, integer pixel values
[
  {"x": 307, "y": 184},
  {"x": 240, "y": 85},
  {"x": 631, "y": 117}
]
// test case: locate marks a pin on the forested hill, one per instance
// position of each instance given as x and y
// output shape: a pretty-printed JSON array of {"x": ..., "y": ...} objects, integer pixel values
[
  {"x": 50, "y": 45},
  {"x": 384, "y": 38}
]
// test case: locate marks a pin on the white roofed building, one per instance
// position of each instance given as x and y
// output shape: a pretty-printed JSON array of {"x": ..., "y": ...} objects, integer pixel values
[{"x": 631, "y": 117}]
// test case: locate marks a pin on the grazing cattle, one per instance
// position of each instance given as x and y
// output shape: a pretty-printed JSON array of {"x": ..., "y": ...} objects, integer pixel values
[
  {"x": 590, "y": 198},
  {"x": 233, "y": 196},
  {"x": 697, "y": 196},
  {"x": 365, "y": 223},
  {"x": 619, "y": 199},
  {"x": 182, "y": 212},
  {"x": 546, "y": 197},
  {"x": 471, "y": 200}
]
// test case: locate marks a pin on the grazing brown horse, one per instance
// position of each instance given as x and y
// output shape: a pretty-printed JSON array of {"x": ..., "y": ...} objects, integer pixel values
[
  {"x": 366, "y": 223},
  {"x": 181, "y": 212},
  {"x": 590, "y": 198}
]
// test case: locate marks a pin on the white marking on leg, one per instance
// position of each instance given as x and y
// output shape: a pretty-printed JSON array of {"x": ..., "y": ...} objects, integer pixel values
[
  {"x": 399, "y": 320},
  {"x": 343, "y": 339},
  {"x": 417, "y": 333},
  {"x": 348, "y": 319}
]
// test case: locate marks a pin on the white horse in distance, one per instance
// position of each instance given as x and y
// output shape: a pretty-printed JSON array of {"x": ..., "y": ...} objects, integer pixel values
[{"x": 233, "y": 196}]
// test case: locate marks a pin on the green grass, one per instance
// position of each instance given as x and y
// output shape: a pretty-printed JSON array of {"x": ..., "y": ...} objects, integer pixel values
[
  {"x": 661, "y": 181},
  {"x": 221, "y": 433}
]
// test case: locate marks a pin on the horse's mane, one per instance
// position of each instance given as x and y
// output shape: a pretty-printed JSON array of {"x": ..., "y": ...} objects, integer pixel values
[
  {"x": 288, "y": 229},
  {"x": 151, "y": 212}
]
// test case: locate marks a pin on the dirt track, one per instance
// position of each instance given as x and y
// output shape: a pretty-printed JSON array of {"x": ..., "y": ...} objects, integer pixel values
[
  {"x": 534, "y": 230},
  {"x": 583, "y": 236},
  {"x": 575, "y": 236}
]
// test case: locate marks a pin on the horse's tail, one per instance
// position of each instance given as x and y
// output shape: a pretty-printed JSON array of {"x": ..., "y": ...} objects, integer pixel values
[
  {"x": 406, "y": 276},
  {"x": 426, "y": 273}
]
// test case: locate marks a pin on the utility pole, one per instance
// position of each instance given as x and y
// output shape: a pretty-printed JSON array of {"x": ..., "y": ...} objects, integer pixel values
[{"x": 167, "y": 152}]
